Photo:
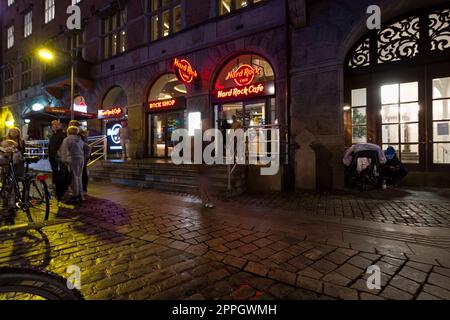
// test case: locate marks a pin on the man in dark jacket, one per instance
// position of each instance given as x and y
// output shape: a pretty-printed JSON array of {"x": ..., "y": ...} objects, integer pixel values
[{"x": 53, "y": 146}]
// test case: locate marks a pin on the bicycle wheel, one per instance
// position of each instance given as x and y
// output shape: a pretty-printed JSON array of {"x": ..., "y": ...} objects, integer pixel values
[
  {"x": 37, "y": 200},
  {"x": 28, "y": 284}
]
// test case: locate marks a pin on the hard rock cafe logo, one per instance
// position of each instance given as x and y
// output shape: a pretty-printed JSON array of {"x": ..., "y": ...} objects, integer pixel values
[
  {"x": 244, "y": 74},
  {"x": 184, "y": 71},
  {"x": 111, "y": 113}
]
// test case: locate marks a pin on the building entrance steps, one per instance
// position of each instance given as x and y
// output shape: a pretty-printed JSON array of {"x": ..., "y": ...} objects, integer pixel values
[{"x": 163, "y": 175}]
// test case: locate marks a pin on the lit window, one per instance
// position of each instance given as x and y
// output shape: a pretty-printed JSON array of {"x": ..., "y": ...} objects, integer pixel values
[
  {"x": 166, "y": 18},
  {"x": 228, "y": 6},
  {"x": 28, "y": 24},
  {"x": 49, "y": 10},
  {"x": 10, "y": 37},
  {"x": 114, "y": 34}
]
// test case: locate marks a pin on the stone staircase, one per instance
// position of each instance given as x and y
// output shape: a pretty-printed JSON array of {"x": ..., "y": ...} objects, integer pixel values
[{"x": 166, "y": 176}]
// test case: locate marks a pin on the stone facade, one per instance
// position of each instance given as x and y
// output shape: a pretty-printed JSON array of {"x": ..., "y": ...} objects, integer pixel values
[{"x": 307, "y": 55}]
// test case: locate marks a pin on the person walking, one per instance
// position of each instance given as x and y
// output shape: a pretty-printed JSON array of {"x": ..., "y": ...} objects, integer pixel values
[
  {"x": 124, "y": 136},
  {"x": 54, "y": 144},
  {"x": 74, "y": 152}
]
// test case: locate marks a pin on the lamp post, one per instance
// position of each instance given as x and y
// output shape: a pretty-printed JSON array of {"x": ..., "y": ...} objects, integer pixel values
[{"x": 48, "y": 55}]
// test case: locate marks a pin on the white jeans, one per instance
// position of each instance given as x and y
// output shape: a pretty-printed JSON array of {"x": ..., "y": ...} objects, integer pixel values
[{"x": 125, "y": 149}]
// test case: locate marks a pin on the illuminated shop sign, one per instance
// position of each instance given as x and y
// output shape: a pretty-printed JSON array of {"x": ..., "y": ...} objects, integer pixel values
[
  {"x": 244, "y": 74},
  {"x": 169, "y": 104},
  {"x": 79, "y": 104},
  {"x": 245, "y": 92},
  {"x": 115, "y": 112},
  {"x": 112, "y": 132},
  {"x": 184, "y": 71}
]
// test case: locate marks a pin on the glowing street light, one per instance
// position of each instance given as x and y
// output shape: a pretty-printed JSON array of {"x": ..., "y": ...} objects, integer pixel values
[{"x": 46, "y": 55}]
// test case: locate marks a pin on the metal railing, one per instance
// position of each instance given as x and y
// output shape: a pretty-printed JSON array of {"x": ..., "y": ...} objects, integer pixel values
[
  {"x": 99, "y": 149},
  {"x": 261, "y": 142},
  {"x": 98, "y": 146},
  {"x": 37, "y": 148}
]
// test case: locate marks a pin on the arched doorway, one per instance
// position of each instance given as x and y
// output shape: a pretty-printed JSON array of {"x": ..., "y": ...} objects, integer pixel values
[
  {"x": 245, "y": 88},
  {"x": 397, "y": 84},
  {"x": 112, "y": 115},
  {"x": 165, "y": 111}
]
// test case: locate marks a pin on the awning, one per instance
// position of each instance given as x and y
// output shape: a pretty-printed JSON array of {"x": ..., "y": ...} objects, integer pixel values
[{"x": 63, "y": 114}]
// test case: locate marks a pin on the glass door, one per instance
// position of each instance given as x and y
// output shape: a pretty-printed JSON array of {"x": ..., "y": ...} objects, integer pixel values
[
  {"x": 400, "y": 120},
  {"x": 162, "y": 127},
  {"x": 440, "y": 142}
]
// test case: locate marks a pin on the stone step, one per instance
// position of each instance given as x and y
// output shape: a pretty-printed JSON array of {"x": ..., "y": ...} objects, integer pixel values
[{"x": 166, "y": 176}]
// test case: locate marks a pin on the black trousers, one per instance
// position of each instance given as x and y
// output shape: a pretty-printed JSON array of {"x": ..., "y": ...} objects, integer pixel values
[
  {"x": 85, "y": 178},
  {"x": 55, "y": 164}
]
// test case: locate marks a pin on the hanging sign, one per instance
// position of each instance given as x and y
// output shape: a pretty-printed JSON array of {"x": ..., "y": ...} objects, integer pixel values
[
  {"x": 184, "y": 71},
  {"x": 79, "y": 104},
  {"x": 244, "y": 74},
  {"x": 114, "y": 112}
]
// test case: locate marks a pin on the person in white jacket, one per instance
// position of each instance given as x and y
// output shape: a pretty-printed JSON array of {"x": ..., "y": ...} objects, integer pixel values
[{"x": 74, "y": 152}]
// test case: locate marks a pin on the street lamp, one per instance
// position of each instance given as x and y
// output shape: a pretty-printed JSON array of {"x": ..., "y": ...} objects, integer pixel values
[{"x": 48, "y": 55}]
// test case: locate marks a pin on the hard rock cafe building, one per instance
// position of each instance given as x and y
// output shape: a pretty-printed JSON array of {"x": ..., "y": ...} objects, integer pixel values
[{"x": 311, "y": 68}]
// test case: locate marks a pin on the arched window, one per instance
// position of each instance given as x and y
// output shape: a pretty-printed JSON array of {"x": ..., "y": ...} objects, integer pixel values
[
  {"x": 245, "y": 88},
  {"x": 398, "y": 88},
  {"x": 167, "y": 87},
  {"x": 115, "y": 97},
  {"x": 166, "y": 113}
]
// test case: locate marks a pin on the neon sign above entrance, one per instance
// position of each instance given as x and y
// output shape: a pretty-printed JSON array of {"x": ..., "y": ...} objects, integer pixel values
[
  {"x": 169, "y": 104},
  {"x": 184, "y": 71},
  {"x": 244, "y": 92},
  {"x": 244, "y": 74},
  {"x": 114, "y": 112}
]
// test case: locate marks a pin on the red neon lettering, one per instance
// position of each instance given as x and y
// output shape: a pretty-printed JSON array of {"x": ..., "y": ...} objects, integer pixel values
[
  {"x": 244, "y": 74},
  {"x": 251, "y": 90},
  {"x": 184, "y": 70}
]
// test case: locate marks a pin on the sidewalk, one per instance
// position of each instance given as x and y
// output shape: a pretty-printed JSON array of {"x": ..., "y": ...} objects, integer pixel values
[{"x": 144, "y": 244}]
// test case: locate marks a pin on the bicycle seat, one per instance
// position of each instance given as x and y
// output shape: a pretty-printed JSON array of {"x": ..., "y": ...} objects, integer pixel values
[{"x": 30, "y": 160}]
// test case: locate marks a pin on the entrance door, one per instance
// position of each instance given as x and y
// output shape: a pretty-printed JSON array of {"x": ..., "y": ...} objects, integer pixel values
[
  {"x": 162, "y": 127},
  {"x": 249, "y": 114}
]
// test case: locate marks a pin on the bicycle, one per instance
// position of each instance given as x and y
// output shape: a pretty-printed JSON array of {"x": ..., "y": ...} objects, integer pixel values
[
  {"x": 30, "y": 284},
  {"x": 33, "y": 198}
]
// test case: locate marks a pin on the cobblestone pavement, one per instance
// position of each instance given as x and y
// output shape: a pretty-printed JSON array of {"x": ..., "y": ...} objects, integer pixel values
[{"x": 144, "y": 244}]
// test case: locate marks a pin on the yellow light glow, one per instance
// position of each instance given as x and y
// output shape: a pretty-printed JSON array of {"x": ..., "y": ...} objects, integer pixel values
[
  {"x": 46, "y": 54},
  {"x": 9, "y": 124}
]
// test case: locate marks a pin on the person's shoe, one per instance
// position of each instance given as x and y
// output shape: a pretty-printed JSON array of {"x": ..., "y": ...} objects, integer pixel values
[
  {"x": 209, "y": 206},
  {"x": 74, "y": 201}
]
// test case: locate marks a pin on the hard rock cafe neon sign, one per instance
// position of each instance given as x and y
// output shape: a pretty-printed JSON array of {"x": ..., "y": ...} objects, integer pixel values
[
  {"x": 244, "y": 74},
  {"x": 184, "y": 71},
  {"x": 114, "y": 112},
  {"x": 244, "y": 91}
]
